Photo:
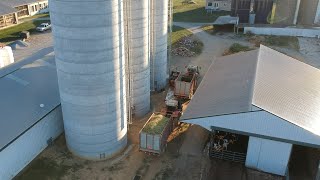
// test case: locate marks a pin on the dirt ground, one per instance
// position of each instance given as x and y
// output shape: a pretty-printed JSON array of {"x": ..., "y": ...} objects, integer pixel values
[{"x": 185, "y": 158}]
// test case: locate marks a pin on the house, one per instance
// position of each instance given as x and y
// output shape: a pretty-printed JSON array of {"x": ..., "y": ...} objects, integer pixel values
[
  {"x": 269, "y": 98},
  {"x": 291, "y": 12},
  {"x": 218, "y": 5}
]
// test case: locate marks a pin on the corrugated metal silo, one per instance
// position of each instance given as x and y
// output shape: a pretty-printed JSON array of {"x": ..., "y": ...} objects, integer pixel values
[
  {"x": 159, "y": 38},
  {"x": 138, "y": 54},
  {"x": 89, "y": 51}
]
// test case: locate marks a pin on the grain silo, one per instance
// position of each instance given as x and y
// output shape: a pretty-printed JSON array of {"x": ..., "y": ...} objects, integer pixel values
[
  {"x": 137, "y": 38},
  {"x": 159, "y": 38},
  {"x": 89, "y": 51}
]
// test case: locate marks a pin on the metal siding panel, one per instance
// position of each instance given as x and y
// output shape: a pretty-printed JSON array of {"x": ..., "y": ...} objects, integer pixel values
[
  {"x": 260, "y": 123},
  {"x": 274, "y": 156},
  {"x": 23, "y": 150},
  {"x": 157, "y": 142},
  {"x": 254, "y": 146},
  {"x": 150, "y": 142},
  {"x": 143, "y": 140}
]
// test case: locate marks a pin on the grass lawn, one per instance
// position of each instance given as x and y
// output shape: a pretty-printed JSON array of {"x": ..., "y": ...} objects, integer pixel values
[
  {"x": 179, "y": 33},
  {"x": 35, "y": 17},
  {"x": 193, "y": 12},
  {"x": 12, "y": 33},
  {"x": 235, "y": 48}
]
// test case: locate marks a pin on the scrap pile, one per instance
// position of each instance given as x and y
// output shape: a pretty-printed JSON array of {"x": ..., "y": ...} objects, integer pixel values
[{"x": 184, "y": 46}]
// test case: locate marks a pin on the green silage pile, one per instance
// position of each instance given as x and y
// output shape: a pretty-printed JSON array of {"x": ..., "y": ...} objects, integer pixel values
[{"x": 156, "y": 124}]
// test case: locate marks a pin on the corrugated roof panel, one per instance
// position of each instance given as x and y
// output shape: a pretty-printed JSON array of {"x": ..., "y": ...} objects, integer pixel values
[
  {"x": 226, "y": 88},
  {"x": 288, "y": 88},
  {"x": 21, "y": 93}
]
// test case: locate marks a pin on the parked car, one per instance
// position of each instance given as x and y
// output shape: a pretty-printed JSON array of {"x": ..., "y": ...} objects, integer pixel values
[{"x": 43, "y": 27}]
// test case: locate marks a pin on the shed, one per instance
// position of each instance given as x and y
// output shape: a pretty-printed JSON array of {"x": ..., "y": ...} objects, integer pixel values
[
  {"x": 30, "y": 111},
  {"x": 266, "y": 95}
]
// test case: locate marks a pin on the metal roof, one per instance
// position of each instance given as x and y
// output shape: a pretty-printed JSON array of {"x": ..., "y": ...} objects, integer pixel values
[
  {"x": 22, "y": 92},
  {"x": 282, "y": 86},
  {"x": 226, "y": 88},
  {"x": 223, "y": 20},
  {"x": 5, "y": 9},
  {"x": 15, "y": 3},
  {"x": 288, "y": 88}
]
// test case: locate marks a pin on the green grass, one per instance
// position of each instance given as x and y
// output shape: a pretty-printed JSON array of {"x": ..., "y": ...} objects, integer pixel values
[
  {"x": 35, "y": 17},
  {"x": 278, "y": 41},
  {"x": 178, "y": 33},
  {"x": 12, "y": 33},
  {"x": 44, "y": 168},
  {"x": 282, "y": 41},
  {"x": 193, "y": 12},
  {"x": 209, "y": 29},
  {"x": 236, "y": 47}
]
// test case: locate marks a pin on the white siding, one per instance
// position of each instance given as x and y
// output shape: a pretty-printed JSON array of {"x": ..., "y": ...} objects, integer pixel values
[
  {"x": 297, "y": 32},
  {"x": 268, "y": 156},
  {"x": 24, "y": 149},
  {"x": 260, "y": 124}
]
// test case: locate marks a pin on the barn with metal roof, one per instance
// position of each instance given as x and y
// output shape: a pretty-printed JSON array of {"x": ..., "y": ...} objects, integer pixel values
[
  {"x": 265, "y": 95},
  {"x": 30, "y": 111}
]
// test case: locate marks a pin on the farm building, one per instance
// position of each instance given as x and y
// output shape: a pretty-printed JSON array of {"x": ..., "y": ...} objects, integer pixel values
[
  {"x": 284, "y": 12},
  {"x": 267, "y": 97},
  {"x": 25, "y": 8},
  {"x": 218, "y": 5},
  {"x": 8, "y": 15},
  {"x": 31, "y": 116}
]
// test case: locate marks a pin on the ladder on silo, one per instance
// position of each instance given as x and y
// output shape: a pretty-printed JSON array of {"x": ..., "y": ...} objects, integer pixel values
[
  {"x": 152, "y": 42},
  {"x": 128, "y": 69}
]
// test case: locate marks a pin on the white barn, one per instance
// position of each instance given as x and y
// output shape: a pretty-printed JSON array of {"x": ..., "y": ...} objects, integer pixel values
[
  {"x": 30, "y": 113},
  {"x": 268, "y": 96}
]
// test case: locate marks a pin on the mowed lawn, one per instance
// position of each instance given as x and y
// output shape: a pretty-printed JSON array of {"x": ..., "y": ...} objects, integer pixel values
[
  {"x": 13, "y": 33},
  {"x": 179, "y": 33},
  {"x": 194, "y": 12}
]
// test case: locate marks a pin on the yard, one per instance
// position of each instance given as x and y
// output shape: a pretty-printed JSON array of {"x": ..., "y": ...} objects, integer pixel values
[
  {"x": 10, "y": 34},
  {"x": 193, "y": 12}
]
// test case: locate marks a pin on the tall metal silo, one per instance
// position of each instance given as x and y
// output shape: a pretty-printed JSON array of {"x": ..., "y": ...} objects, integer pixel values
[
  {"x": 159, "y": 38},
  {"x": 89, "y": 51},
  {"x": 137, "y": 38}
]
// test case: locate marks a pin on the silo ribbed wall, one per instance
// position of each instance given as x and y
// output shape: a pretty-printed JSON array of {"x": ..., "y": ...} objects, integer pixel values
[
  {"x": 89, "y": 51},
  {"x": 159, "y": 26},
  {"x": 139, "y": 55}
]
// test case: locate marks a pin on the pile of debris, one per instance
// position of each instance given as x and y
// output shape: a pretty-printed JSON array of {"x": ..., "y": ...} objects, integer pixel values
[
  {"x": 184, "y": 46},
  {"x": 182, "y": 51}
]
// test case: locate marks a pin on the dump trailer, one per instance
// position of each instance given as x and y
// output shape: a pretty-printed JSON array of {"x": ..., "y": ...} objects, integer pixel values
[
  {"x": 155, "y": 133},
  {"x": 185, "y": 86}
]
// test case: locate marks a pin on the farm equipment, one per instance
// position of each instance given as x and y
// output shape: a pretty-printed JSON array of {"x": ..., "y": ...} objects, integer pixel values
[
  {"x": 185, "y": 86},
  {"x": 173, "y": 76},
  {"x": 155, "y": 133},
  {"x": 193, "y": 70}
]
